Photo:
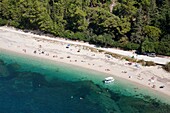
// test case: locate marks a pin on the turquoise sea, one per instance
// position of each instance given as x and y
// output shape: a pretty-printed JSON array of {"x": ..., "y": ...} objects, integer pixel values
[{"x": 34, "y": 85}]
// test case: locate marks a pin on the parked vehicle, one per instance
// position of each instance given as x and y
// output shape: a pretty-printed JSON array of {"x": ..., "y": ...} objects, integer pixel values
[{"x": 151, "y": 54}]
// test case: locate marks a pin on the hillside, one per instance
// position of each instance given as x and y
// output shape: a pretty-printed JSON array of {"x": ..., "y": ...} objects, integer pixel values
[{"x": 142, "y": 25}]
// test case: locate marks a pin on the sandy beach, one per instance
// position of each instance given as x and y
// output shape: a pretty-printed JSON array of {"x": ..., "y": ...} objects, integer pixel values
[{"x": 79, "y": 54}]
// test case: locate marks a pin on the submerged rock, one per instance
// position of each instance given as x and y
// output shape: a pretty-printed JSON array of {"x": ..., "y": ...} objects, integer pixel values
[
  {"x": 14, "y": 67},
  {"x": 2, "y": 62},
  {"x": 4, "y": 71},
  {"x": 38, "y": 80}
]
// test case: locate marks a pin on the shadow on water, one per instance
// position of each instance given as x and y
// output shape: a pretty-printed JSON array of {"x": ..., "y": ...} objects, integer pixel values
[{"x": 31, "y": 92}]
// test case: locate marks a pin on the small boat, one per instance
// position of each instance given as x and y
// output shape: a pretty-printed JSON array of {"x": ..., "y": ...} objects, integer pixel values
[{"x": 108, "y": 80}]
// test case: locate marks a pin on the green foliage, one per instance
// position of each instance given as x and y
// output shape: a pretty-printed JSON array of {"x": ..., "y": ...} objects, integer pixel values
[
  {"x": 167, "y": 67},
  {"x": 80, "y": 36},
  {"x": 13, "y": 23},
  {"x": 129, "y": 59},
  {"x": 148, "y": 46},
  {"x": 146, "y": 2},
  {"x": 131, "y": 46},
  {"x": 149, "y": 63},
  {"x": 133, "y": 24},
  {"x": 3, "y": 22},
  {"x": 126, "y": 8},
  {"x": 152, "y": 32},
  {"x": 137, "y": 25},
  {"x": 164, "y": 48},
  {"x": 113, "y": 55},
  {"x": 146, "y": 63},
  {"x": 164, "y": 45},
  {"x": 141, "y": 62}
]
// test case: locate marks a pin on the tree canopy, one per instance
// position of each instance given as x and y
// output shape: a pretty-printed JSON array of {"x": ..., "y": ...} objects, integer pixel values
[{"x": 129, "y": 24}]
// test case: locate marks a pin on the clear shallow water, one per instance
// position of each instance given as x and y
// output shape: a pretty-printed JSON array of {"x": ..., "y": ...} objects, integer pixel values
[{"x": 30, "y": 85}]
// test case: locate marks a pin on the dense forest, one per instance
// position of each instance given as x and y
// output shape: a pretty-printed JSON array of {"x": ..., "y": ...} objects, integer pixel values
[{"x": 142, "y": 25}]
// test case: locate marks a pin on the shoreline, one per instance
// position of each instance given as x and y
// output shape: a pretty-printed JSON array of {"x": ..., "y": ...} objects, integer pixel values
[
  {"x": 154, "y": 94},
  {"x": 83, "y": 57}
]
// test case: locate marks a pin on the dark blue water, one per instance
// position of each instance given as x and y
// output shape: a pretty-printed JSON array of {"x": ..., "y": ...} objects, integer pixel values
[{"x": 30, "y": 86}]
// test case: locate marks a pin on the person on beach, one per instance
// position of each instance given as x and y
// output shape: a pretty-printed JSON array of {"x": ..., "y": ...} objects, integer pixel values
[{"x": 24, "y": 50}]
